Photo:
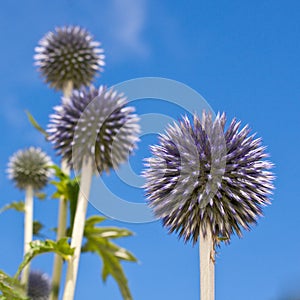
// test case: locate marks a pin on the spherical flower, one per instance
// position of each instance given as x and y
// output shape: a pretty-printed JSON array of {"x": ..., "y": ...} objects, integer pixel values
[
  {"x": 69, "y": 54},
  {"x": 39, "y": 286},
  {"x": 202, "y": 176},
  {"x": 94, "y": 123},
  {"x": 29, "y": 167}
]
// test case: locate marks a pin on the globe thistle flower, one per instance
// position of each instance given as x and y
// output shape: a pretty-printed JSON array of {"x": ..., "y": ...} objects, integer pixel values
[
  {"x": 96, "y": 124},
  {"x": 39, "y": 286},
  {"x": 29, "y": 167},
  {"x": 202, "y": 176},
  {"x": 69, "y": 55}
]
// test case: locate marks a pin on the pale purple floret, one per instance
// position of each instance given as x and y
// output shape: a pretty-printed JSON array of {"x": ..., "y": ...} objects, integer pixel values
[
  {"x": 29, "y": 167},
  {"x": 201, "y": 176},
  {"x": 94, "y": 123},
  {"x": 69, "y": 54}
]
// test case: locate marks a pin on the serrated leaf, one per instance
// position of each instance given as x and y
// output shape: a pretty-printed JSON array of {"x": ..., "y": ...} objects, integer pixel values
[
  {"x": 99, "y": 238},
  {"x": 108, "y": 232},
  {"x": 111, "y": 262},
  {"x": 93, "y": 220},
  {"x": 35, "y": 124},
  {"x": 98, "y": 241},
  {"x": 111, "y": 248},
  {"x": 18, "y": 206},
  {"x": 61, "y": 247},
  {"x": 10, "y": 288},
  {"x": 113, "y": 267}
]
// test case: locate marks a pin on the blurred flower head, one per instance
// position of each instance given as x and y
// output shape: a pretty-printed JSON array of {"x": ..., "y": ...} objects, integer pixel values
[
  {"x": 39, "y": 286},
  {"x": 29, "y": 167},
  {"x": 202, "y": 175},
  {"x": 94, "y": 123},
  {"x": 69, "y": 55}
]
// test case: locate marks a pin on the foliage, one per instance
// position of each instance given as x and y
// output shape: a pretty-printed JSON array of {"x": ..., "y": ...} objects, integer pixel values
[
  {"x": 37, "y": 227},
  {"x": 18, "y": 206},
  {"x": 98, "y": 241},
  {"x": 68, "y": 189},
  {"x": 38, "y": 247},
  {"x": 35, "y": 124},
  {"x": 10, "y": 288}
]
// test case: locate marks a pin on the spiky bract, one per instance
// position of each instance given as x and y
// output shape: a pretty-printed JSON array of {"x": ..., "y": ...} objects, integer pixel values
[
  {"x": 201, "y": 176},
  {"x": 69, "y": 54},
  {"x": 94, "y": 123},
  {"x": 29, "y": 167}
]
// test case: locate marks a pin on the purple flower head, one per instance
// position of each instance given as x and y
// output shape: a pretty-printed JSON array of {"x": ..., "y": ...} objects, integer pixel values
[
  {"x": 202, "y": 175},
  {"x": 94, "y": 123},
  {"x": 69, "y": 54},
  {"x": 29, "y": 167},
  {"x": 39, "y": 286}
]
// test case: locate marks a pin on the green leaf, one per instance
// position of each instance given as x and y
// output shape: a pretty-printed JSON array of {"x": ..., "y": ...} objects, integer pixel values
[
  {"x": 58, "y": 172},
  {"x": 37, "y": 227},
  {"x": 35, "y": 124},
  {"x": 111, "y": 256},
  {"x": 18, "y": 206},
  {"x": 93, "y": 220},
  {"x": 68, "y": 189},
  {"x": 41, "y": 196},
  {"x": 108, "y": 232},
  {"x": 38, "y": 247},
  {"x": 10, "y": 288},
  {"x": 113, "y": 267},
  {"x": 111, "y": 248},
  {"x": 72, "y": 191},
  {"x": 98, "y": 241}
]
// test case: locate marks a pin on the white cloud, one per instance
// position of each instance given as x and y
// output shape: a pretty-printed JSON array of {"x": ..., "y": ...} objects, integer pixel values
[
  {"x": 129, "y": 23},
  {"x": 118, "y": 24}
]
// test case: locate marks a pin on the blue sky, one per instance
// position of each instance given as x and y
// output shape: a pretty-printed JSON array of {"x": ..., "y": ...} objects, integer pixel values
[{"x": 243, "y": 57}]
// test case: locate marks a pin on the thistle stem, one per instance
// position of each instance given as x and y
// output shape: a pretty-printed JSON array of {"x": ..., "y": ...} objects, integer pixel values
[
  {"x": 67, "y": 91},
  {"x": 207, "y": 265},
  {"x": 61, "y": 232},
  {"x": 78, "y": 228},
  {"x": 28, "y": 230},
  {"x": 62, "y": 219}
]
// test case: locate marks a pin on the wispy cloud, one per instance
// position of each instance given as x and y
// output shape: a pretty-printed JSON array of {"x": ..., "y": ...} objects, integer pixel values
[
  {"x": 121, "y": 26},
  {"x": 129, "y": 23}
]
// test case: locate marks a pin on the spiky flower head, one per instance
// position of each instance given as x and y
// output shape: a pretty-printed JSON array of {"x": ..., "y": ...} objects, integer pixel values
[
  {"x": 39, "y": 286},
  {"x": 201, "y": 175},
  {"x": 29, "y": 167},
  {"x": 94, "y": 123},
  {"x": 69, "y": 54}
]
